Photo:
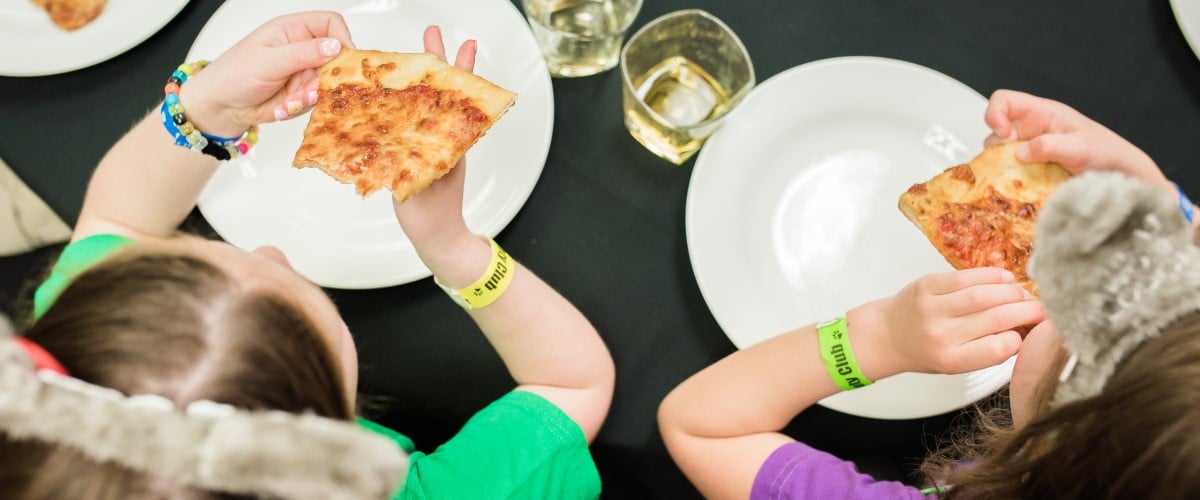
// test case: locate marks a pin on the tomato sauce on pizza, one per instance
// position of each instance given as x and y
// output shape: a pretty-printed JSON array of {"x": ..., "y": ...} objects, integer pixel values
[
  {"x": 982, "y": 213},
  {"x": 396, "y": 121}
]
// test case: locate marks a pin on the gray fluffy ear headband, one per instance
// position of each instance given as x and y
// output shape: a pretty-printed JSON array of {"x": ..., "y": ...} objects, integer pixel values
[
  {"x": 1115, "y": 265},
  {"x": 207, "y": 445}
]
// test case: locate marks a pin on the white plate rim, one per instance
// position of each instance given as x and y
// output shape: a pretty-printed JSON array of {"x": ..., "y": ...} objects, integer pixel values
[
  {"x": 999, "y": 374},
  {"x": 493, "y": 222},
  {"x": 91, "y": 44},
  {"x": 1187, "y": 15}
]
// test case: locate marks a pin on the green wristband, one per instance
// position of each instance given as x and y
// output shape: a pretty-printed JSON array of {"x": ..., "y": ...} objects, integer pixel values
[{"x": 839, "y": 360}]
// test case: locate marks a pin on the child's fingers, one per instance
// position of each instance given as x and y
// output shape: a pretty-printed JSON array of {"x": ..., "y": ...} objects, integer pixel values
[
  {"x": 310, "y": 92},
  {"x": 316, "y": 24},
  {"x": 953, "y": 281},
  {"x": 1068, "y": 150},
  {"x": 433, "y": 42},
  {"x": 465, "y": 58},
  {"x": 1016, "y": 115},
  {"x": 983, "y": 352},
  {"x": 281, "y": 62},
  {"x": 299, "y": 96},
  {"x": 293, "y": 105},
  {"x": 983, "y": 297},
  {"x": 1001, "y": 318},
  {"x": 997, "y": 114},
  {"x": 993, "y": 139}
]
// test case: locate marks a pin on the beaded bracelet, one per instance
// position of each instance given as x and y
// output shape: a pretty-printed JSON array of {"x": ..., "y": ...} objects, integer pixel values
[{"x": 186, "y": 135}]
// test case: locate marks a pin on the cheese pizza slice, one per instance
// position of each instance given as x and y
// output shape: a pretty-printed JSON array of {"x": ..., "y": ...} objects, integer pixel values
[
  {"x": 982, "y": 213},
  {"x": 396, "y": 121}
]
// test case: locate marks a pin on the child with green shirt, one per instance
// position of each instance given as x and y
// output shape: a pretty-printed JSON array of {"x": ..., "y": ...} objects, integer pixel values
[{"x": 161, "y": 365}]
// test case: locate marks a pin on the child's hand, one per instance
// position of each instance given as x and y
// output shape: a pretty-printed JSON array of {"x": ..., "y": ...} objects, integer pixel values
[
  {"x": 271, "y": 74},
  {"x": 952, "y": 322},
  {"x": 433, "y": 218},
  {"x": 1060, "y": 134}
]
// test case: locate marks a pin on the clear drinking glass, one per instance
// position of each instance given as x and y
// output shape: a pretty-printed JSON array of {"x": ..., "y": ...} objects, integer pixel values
[
  {"x": 682, "y": 73},
  {"x": 580, "y": 37}
]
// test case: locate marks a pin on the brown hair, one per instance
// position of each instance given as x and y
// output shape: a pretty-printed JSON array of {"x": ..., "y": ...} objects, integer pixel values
[
  {"x": 175, "y": 325},
  {"x": 1138, "y": 438}
]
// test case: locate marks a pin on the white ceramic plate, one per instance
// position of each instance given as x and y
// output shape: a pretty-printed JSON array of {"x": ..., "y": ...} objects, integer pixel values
[
  {"x": 36, "y": 46},
  {"x": 1187, "y": 14},
  {"x": 331, "y": 235},
  {"x": 791, "y": 212}
]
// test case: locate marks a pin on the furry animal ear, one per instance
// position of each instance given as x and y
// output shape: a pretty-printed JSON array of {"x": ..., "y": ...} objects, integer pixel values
[
  {"x": 1114, "y": 264},
  {"x": 208, "y": 445},
  {"x": 1101, "y": 207}
]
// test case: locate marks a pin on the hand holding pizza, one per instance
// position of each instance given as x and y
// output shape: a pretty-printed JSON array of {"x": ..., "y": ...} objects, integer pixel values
[
  {"x": 952, "y": 322},
  {"x": 1058, "y": 133},
  {"x": 433, "y": 218},
  {"x": 271, "y": 74}
]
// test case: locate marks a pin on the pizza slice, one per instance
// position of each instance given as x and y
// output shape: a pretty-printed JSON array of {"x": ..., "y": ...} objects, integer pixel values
[
  {"x": 396, "y": 121},
  {"x": 72, "y": 14},
  {"x": 982, "y": 213}
]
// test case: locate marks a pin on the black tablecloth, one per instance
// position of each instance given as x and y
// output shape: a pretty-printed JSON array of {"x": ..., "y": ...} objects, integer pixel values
[{"x": 605, "y": 222}]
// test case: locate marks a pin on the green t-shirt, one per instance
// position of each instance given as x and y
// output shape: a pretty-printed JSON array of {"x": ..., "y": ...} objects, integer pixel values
[{"x": 520, "y": 446}]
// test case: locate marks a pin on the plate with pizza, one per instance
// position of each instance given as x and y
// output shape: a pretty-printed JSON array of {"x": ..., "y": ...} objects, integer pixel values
[
  {"x": 792, "y": 213},
  {"x": 332, "y": 235},
  {"x": 58, "y": 36}
]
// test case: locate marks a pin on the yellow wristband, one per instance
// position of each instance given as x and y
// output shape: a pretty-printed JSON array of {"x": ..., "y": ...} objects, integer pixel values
[{"x": 488, "y": 288}]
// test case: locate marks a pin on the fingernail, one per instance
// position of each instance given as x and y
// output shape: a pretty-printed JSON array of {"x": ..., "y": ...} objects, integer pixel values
[
  {"x": 280, "y": 113},
  {"x": 294, "y": 107},
  {"x": 312, "y": 97},
  {"x": 330, "y": 47},
  {"x": 1007, "y": 275}
]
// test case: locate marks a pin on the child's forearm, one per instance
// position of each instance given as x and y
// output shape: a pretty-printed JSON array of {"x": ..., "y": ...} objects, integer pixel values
[
  {"x": 144, "y": 186},
  {"x": 549, "y": 347},
  {"x": 761, "y": 388},
  {"x": 722, "y": 423}
]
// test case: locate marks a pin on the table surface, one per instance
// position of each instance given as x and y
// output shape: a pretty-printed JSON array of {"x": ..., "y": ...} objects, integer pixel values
[{"x": 605, "y": 223}]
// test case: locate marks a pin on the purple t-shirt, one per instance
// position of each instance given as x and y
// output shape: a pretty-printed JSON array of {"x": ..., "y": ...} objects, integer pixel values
[{"x": 796, "y": 470}]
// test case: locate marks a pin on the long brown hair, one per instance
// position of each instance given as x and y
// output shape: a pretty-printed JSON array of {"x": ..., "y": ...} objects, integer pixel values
[
  {"x": 1138, "y": 438},
  {"x": 176, "y": 325}
]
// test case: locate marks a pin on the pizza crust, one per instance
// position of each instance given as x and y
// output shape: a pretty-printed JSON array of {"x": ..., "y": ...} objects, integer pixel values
[
  {"x": 982, "y": 213},
  {"x": 71, "y": 14},
  {"x": 396, "y": 121}
]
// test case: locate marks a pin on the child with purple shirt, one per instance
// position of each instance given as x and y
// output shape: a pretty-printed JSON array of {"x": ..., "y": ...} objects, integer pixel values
[{"x": 1104, "y": 388}]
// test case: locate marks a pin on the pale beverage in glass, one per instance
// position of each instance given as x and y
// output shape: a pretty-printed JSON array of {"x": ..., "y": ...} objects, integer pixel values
[
  {"x": 580, "y": 37},
  {"x": 682, "y": 73}
]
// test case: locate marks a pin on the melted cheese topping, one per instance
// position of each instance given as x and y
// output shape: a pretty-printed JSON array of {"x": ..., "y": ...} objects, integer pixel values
[
  {"x": 383, "y": 121},
  {"x": 982, "y": 214}
]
